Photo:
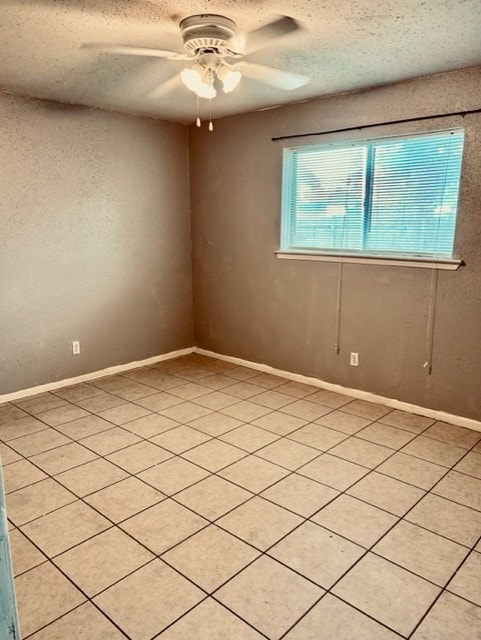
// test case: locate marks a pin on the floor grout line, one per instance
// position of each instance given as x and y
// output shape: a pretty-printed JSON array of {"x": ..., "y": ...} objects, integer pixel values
[{"x": 254, "y": 494}]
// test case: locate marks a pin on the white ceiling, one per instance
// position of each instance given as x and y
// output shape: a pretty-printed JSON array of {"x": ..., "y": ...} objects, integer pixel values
[{"x": 346, "y": 45}]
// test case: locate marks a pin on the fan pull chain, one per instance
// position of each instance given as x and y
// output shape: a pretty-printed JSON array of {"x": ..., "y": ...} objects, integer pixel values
[
  {"x": 211, "y": 124},
  {"x": 197, "y": 121}
]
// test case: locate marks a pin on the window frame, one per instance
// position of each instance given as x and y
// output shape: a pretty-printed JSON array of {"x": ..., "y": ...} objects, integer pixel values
[{"x": 364, "y": 255}]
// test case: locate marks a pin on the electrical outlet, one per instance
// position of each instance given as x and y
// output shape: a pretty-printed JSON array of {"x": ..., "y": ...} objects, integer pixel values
[
  {"x": 354, "y": 361},
  {"x": 75, "y": 347}
]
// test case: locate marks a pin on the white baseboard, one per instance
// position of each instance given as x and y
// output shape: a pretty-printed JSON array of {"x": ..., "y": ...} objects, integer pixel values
[
  {"x": 443, "y": 416},
  {"x": 51, "y": 386}
]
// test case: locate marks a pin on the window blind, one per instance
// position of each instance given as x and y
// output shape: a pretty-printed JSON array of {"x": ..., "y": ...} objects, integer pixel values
[{"x": 391, "y": 196}]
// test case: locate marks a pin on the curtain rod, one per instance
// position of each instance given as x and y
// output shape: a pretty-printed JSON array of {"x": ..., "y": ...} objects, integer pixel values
[{"x": 377, "y": 124}]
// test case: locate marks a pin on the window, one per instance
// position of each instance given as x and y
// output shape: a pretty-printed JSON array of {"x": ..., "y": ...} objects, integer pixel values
[{"x": 394, "y": 197}]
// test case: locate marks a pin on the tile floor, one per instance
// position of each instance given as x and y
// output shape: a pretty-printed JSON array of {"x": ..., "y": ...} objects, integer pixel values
[{"x": 198, "y": 499}]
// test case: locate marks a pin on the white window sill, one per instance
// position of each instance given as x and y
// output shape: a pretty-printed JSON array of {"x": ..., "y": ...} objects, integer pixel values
[{"x": 419, "y": 263}]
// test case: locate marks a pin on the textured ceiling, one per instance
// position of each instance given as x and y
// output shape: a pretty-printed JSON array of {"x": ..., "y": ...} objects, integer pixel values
[{"x": 346, "y": 45}]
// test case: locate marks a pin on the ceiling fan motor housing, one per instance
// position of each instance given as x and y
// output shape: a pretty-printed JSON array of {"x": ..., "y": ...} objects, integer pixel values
[{"x": 206, "y": 32}]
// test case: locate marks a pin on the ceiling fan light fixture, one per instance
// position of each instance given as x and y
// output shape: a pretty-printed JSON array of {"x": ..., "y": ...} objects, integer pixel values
[
  {"x": 229, "y": 77},
  {"x": 194, "y": 79}
]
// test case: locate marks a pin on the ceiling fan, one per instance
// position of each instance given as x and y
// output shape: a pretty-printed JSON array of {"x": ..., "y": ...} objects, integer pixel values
[{"x": 216, "y": 52}]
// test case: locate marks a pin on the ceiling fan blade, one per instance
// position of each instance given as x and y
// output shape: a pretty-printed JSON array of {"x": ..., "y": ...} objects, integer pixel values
[
  {"x": 286, "y": 80},
  {"x": 132, "y": 50},
  {"x": 265, "y": 35},
  {"x": 166, "y": 87}
]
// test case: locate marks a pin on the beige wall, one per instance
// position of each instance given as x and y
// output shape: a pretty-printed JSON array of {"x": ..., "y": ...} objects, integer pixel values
[
  {"x": 95, "y": 246},
  {"x": 248, "y": 303},
  {"x": 94, "y": 240}
]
